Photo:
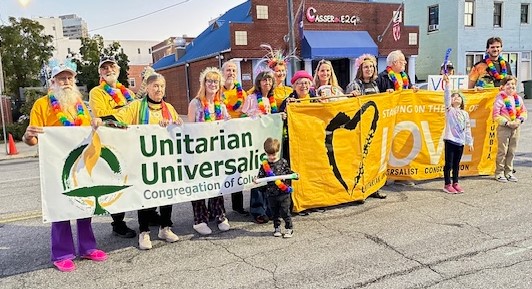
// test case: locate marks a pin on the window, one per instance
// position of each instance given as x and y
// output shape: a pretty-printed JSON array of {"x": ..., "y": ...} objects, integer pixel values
[
  {"x": 469, "y": 13},
  {"x": 138, "y": 50},
  {"x": 69, "y": 50},
  {"x": 262, "y": 12},
  {"x": 241, "y": 38},
  {"x": 434, "y": 20},
  {"x": 471, "y": 59},
  {"x": 524, "y": 13},
  {"x": 131, "y": 82},
  {"x": 412, "y": 38},
  {"x": 497, "y": 14}
]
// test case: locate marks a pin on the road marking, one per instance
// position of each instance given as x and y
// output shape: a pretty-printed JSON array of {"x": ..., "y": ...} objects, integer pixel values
[
  {"x": 19, "y": 216},
  {"x": 518, "y": 251},
  {"x": 16, "y": 180}
]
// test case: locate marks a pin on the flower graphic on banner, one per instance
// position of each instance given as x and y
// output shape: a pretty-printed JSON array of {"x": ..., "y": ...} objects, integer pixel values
[{"x": 84, "y": 159}]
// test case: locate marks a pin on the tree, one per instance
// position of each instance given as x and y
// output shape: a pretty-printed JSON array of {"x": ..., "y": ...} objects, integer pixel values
[
  {"x": 24, "y": 50},
  {"x": 90, "y": 51}
]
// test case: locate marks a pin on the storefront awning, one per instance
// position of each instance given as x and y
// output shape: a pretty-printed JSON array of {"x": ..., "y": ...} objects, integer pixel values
[{"x": 336, "y": 44}]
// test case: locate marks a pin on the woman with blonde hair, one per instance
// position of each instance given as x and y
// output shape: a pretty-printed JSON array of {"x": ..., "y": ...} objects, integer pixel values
[
  {"x": 205, "y": 107},
  {"x": 325, "y": 81}
]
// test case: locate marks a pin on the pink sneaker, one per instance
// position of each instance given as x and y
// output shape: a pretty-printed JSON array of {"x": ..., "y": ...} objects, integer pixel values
[
  {"x": 449, "y": 189},
  {"x": 66, "y": 265},
  {"x": 96, "y": 255},
  {"x": 457, "y": 188}
]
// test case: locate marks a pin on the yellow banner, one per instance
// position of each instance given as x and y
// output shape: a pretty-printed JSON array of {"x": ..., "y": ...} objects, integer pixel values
[{"x": 345, "y": 150}]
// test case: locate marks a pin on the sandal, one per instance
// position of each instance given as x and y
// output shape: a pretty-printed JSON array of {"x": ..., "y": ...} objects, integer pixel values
[
  {"x": 96, "y": 255},
  {"x": 65, "y": 265}
]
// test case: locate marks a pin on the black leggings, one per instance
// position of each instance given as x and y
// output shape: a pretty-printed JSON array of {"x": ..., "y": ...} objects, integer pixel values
[{"x": 453, "y": 154}]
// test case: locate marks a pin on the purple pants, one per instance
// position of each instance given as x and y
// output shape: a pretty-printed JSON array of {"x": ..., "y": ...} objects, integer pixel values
[{"x": 63, "y": 242}]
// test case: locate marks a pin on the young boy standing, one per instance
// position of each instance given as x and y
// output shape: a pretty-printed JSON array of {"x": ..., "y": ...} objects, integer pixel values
[{"x": 278, "y": 192}]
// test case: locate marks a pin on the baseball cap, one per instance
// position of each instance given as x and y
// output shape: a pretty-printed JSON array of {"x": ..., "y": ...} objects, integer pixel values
[
  {"x": 105, "y": 59},
  {"x": 60, "y": 68}
]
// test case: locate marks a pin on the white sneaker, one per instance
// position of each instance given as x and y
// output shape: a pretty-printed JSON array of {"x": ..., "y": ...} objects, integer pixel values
[
  {"x": 202, "y": 229},
  {"x": 167, "y": 234},
  {"x": 501, "y": 179},
  {"x": 144, "y": 241},
  {"x": 224, "y": 226},
  {"x": 511, "y": 178},
  {"x": 277, "y": 232},
  {"x": 289, "y": 233}
]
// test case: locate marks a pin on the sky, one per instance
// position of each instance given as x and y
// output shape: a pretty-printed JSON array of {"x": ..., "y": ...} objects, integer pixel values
[{"x": 184, "y": 17}]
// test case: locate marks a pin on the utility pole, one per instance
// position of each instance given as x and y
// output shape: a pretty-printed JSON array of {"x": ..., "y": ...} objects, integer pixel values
[
  {"x": 291, "y": 35},
  {"x": 2, "y": 102}
]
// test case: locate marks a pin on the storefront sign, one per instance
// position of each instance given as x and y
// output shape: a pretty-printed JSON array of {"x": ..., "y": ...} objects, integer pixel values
[{"x": 314, "y": 17}]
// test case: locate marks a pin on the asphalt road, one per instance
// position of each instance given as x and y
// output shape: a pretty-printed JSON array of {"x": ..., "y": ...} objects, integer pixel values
[{"x": 419, "y": 237}]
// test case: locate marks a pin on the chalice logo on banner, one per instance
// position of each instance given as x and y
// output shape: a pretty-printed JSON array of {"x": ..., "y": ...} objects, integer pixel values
[
  {"x": 343, "y": 121},
  {"x": 77, "y": 176}
]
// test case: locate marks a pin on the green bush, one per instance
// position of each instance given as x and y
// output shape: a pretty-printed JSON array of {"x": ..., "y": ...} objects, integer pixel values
[{"x": 18, "y": 129}]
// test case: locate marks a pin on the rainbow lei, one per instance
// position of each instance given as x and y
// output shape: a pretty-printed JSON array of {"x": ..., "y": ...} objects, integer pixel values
[
  {"x": 144, "y": 116},
  {"x": 268, "y": 170},
  {"x": 217, "y": 109},
  {"x": 393, "y": 78},
  {"x": 262, "y": 107},
  {"x": 493, "y": 71},
  {"x": 514, "y": 113},
  {"x": 113, "y": 93},
  {"x": 239, "y": 98},
  {"x": 56, "y": 107}
]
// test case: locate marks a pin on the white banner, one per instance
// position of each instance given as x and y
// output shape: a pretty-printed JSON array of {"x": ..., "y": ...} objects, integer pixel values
[
  {"x": 457, "y": 82},
  {"x": 86, "y": 173}
]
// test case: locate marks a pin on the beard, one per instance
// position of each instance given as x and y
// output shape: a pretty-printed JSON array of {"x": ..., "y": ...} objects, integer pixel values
[
  {"x": 67, "y": 97},
  {"x": 110, "y": 78}
]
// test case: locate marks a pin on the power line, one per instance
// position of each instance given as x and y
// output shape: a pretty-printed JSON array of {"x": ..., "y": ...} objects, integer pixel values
[{"x": 141, "y": 16}]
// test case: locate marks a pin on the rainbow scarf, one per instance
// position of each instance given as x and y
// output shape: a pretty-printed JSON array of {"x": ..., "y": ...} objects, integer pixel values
[
  {"x": 144, "y": 116},
  {"x": 239, "y": 98},
  {"x": 63, "y": 118},
  {"x": 513, "y": 113},
  {"x": 268, "y": 170},
  {"x": 113, "y": 94},
  {"x": 393, "y": 78},
  {"x": 493, "y": 71},
  {"x": 217, "y": 109}
]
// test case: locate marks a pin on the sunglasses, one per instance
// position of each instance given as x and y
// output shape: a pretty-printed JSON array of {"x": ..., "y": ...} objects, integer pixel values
[{"x": 107, "y": 58}]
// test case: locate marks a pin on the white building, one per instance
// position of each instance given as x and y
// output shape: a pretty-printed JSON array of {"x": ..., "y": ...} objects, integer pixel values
[
  {"x": 74, "y": 27},
  {"x": 464, "y": 26}
]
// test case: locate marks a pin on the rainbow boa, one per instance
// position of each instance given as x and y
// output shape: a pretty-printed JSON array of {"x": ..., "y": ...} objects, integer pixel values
[
  {"x": 393, "y": 78},
  {"x": 282, "y": 186}
]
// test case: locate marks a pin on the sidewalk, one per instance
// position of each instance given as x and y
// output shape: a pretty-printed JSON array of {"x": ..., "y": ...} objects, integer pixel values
[{"x": 24, "y": 151}]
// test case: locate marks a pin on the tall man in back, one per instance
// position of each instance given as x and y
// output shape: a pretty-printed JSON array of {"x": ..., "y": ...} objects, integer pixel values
[
  {"x": 107, "y": 99},
  {"x": 490, "y": 71},
  {"x": 233, "y": 96}
]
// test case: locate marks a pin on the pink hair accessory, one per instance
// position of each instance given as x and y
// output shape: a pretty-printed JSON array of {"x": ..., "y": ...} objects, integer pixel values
[{"x": 363, "y": 58}]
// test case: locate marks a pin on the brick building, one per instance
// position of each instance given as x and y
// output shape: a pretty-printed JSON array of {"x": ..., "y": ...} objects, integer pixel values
[{"x": 336, "y": 30}]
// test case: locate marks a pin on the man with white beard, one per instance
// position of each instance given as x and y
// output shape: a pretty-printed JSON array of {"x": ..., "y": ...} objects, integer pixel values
[
  {"x": 107, "y": 99},
  {"x": 62, "y": 106}
]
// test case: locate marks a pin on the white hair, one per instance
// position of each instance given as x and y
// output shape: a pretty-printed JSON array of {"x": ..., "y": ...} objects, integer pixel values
[{"x": 393, "y": 56}]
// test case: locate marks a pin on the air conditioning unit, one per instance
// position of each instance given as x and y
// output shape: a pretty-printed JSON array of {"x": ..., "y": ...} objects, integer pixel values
[{"x": 433, "y": 27}]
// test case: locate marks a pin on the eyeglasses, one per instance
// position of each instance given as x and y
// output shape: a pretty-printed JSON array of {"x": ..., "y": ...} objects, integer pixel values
[
  {"x": 302, "y": 83},
  {"x": 212, "y": 81}
]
